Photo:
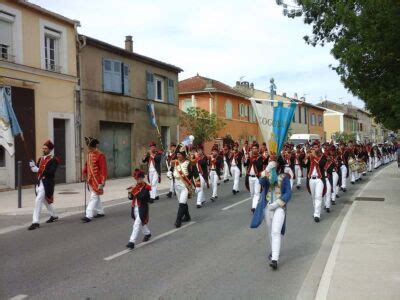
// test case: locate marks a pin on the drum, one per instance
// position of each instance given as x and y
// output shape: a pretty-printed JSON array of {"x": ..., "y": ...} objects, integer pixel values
[
  {"x": 362, "y": 167},
  {"x": 353, "y": 164}
]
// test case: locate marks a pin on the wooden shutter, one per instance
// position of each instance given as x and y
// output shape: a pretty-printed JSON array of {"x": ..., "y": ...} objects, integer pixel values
[
  {"x": 107, "y": 75},
  {"x": 171, "y": 91},
  {"x": 125, "y": 75},
  {"x": 116, "y": 77},
  {"x": 150, "y": 85}
]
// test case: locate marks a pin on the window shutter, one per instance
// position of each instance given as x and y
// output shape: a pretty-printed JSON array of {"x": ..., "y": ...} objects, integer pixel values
[
  {"x": 150, "y": 85},
  {"x": 116, "y": 77},
  {"x": 171, "y": 91},
  {"x": 126, "y": 87},
  {"x": 107, "y": 75}
]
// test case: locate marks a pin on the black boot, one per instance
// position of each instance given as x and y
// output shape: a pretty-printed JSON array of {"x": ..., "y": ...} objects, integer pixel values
[
  {"x": 179, "y": 215},
  {"x": 52, "y": 219},
  {"x": 34, "y": 226},
  {"x": 169, "y": 195},
  {"x": 186, "y": 215},
  {"x": 273, "y": 264}
]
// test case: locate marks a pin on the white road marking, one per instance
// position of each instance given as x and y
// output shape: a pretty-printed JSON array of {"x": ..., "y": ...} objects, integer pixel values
[
  {"x": 118, "y": 254},
  {"x": 19, "y": 297},
  {"x": 326, "y": 278},
  {"x": 237, "y": 203},
  {"x": 63, "y": 215}
]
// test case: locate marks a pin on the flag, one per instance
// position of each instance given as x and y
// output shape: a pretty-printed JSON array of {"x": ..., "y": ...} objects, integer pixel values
[
  {"x": 274, "y": 120},
  {"x": 9, "y": 126},
  {"x": 152, "y": 115}
]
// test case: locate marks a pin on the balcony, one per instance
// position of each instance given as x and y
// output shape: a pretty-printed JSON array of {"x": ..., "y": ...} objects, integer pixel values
[{"x": 52, "y": 67}]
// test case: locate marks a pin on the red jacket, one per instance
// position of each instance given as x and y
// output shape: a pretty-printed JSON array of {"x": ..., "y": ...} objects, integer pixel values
[{"x": 95, "y": 170}]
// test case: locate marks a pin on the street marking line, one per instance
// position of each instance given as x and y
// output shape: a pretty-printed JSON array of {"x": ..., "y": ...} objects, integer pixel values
[
  {"x": 326, "y": 278},
  {"x": 63, "y": 215},
  {"x": 19, "y": 297},
  {"x": 237, "y": 203},
  {"x": 118, "y": 254}
]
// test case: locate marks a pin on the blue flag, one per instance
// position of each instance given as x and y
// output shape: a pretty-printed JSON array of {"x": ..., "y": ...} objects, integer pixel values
[{"x": 152, "y": 115}]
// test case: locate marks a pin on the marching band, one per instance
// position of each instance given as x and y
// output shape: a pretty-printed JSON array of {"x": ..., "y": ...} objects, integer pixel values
[{"x": 269, "y": 179}]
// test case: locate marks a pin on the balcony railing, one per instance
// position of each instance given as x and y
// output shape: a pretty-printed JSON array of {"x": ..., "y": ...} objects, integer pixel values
[
  {"x": 53, "y": 67},
  {"x": 6, "y": 53}
]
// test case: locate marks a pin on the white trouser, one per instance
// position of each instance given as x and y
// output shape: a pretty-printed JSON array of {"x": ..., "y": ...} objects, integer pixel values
[
  {"x": 255, "y": 188},
  {"x": 289, "y": 171},
  {"x": 137, "y": 225},
  {"x": 297, "y": 171},
  {"x": 182, "y": 192},
  {"x": 275, "y": 219},
  {"x": 328, "y": 193},
  {"x": 353, "y": 176},
  {"x": 171, "y": 185},
  {"x": 376, "y": 162},
  {"x": 370, "y": 163},
  {"x": 214, "y": 183},
  {"x": 335, "y": 188},
  {"x": 200, "y": 190},
  {"x": 41, "y": 198},
  {"x": 236, "y": 175},
  {"x": 153, "y": 181},
  {"x": 343, "y": 170},
  {"x": 226, "y": 170},
  {"x": 317, "y": 189},
  {"x": 94, "y": 205}
]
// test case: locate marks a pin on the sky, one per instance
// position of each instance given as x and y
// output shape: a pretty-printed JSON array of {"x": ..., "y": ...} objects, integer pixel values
[{"x": 222, "y": 40}]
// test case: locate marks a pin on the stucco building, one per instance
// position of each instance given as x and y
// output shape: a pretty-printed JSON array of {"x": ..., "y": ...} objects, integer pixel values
[
  {"x": 38, "y": 62},
  {"x": 116, "y": 84}
]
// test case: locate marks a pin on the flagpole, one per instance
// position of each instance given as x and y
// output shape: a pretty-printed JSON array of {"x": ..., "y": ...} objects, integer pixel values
[{"x": 273, "y": 101}]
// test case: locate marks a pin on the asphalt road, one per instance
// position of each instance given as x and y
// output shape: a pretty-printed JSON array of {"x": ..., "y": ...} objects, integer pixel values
[{"x": 217, "y": 256}]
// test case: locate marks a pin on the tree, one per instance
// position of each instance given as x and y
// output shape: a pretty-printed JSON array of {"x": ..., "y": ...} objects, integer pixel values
[
  {"x": 365, "y": 37},
  {"x": 344, "y": 137},
  {"x": 201, "y": 124}
]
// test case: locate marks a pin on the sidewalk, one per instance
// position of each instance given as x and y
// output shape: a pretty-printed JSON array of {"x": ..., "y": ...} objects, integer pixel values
[
  {"x": 367, "y": 263},
  {"x": 69, "y": 197}
]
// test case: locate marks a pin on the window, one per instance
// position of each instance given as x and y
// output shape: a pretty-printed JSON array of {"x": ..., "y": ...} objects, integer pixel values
[
  {"x": 252, "y": 115},
  {"x": 243, "y": 110},
  {"x": 187, "y": 103},
  {"x": 115, "y": 77},
  {"x": 6, "y": 37},
  {"x": 52, "y": 50},
  {"x": 299, "y": 114},
  {"x": 159, "y": 88},
  {"x": 313, "y": 120},
  {"x": 228, "y": 109},
  {"x": 320, "y": 120},
  {"x": 305, "y": 115},
  {"x": 2, "y": 157}
]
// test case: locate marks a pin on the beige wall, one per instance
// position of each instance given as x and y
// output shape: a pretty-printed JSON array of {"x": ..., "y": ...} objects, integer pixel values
[
  {"x": 331, "y": 125},
  {"x": 104, "y": 106}
]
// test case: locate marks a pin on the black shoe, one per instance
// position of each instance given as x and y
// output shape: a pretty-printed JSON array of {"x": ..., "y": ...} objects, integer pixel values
[
  {"x": 338, "y": 196},
  {"x": 352, "y": 182},
  {"x": 274, "y": 265},
  {"x": 151, "y": 200},
  {"x": 169, "y": 195},
  {"x": 253, "y": 210},
  {"x": 99, "y": 216},
  {"x": 212, "y": 199},
  {"x": 316, "y": 219},
  {"x": 130, "y": 245},
  {"x": 226, "y": 180},
  {"x": 157, "y": 198},
  {"x": 34, "y": 226},
  {"x": 344, "y": 190},
  {"x": 234, "y": 192},
  {"x": 147, "y": 237},
  {"x": 328, "y": 210},
  {"x": 270, "y": 257},
  {"x": 198, "y": 206},
  {"x": 360, "y": 179},
  {"x": 333, "y": 202},
  {"x": 218, "y": 183},
  {"x": 52, "y": 219},
  {"x": 298, "y": 187},
  {"x": 86, "y": 220}
]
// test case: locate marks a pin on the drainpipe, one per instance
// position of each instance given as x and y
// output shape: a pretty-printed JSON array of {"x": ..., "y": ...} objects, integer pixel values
[{"x": 78, "y": 108}]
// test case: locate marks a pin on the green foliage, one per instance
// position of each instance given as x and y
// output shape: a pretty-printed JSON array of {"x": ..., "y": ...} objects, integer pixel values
[
  {"x": 344, "y": 137},
  {"x": 365, "y": 37},
  {"x": 201, "y": 124}
]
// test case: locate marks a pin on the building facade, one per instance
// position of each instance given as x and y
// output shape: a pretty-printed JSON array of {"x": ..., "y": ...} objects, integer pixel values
[
  {"x": 38, "y": 62},
  {"x": 116, "y": 85},
  {"x": 216, "y": 97}
]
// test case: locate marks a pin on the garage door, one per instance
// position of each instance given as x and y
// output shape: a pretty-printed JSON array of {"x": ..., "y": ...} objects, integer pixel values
[{"x": 115, "y": 143}]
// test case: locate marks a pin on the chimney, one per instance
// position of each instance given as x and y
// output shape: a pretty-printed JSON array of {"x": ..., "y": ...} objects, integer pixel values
[
  {"x": 284, "y": 94},
  {"x": 129, "y": 43},
  {"x": 252, "y": 86},
  {"x": 237, "y": 83}
]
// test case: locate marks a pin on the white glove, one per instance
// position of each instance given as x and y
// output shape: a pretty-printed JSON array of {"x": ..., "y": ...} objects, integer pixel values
[
  {"x": 169, "y": 174},
  {"x": 33, "y": 166},
  {"x": 273, "y": 206},
  {"x": 100, "y": 186}
]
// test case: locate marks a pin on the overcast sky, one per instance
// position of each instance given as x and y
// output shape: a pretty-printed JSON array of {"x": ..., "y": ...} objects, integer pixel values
[{"x": 223, "y": 40}]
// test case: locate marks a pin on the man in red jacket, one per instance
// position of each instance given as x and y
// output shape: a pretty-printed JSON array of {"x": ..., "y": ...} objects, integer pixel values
[{"x": 95, "y": 174}]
